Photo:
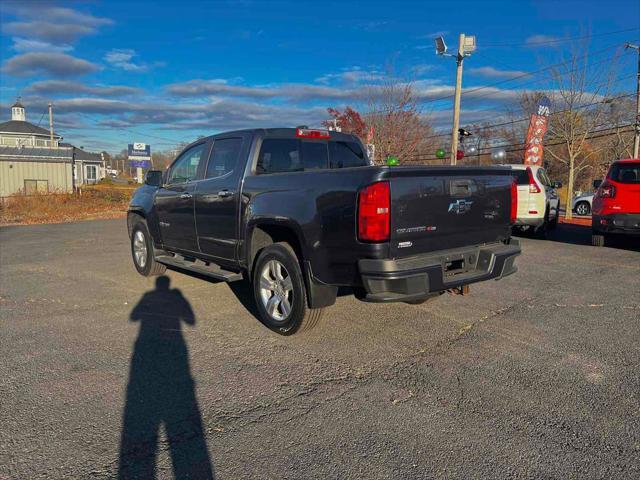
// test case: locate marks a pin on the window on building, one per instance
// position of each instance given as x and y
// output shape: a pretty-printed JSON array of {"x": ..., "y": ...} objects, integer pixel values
[
  {"x": 91, "y": 173},
  {"x": 346, "y": 154},
  {"x": 185, "y": 168},
  {"x": 223, "y": 157}
]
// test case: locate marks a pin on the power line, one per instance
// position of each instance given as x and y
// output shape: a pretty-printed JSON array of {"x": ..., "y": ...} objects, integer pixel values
[
  {"x": 525, "y": 74},
  {"x": 521, "y": 146},
  {"x": 524, "y": 119},
  {"x": 558, "y": 40},
  {"x": 129, "y": 130}
]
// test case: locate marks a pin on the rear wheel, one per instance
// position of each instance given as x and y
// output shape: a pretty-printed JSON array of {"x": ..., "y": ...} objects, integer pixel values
[
  {"x": 279, "y": 291},
  {"x": 542, "y": 230},
  {"x": 583, "y": 208},
  {"x": 142, "y": 251}
]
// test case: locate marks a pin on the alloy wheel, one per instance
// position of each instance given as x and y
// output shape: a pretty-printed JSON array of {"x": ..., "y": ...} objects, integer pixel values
[
  {"x": 276, "y": 290},
  {"x": 140, "y": 248}
]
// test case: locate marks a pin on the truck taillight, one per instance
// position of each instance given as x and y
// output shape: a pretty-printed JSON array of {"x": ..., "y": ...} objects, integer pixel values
[
  {"x": 533, "y": 186},
  {"x": 374, "y": 214},
  {"x": 514, "y": 202},
  {"x": 606, "y": 191}
]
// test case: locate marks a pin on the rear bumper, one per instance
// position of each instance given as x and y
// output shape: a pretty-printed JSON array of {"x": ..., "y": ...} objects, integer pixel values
[
  {"x": 626, "y": 223},
  {"x": 422, "y": 276}
]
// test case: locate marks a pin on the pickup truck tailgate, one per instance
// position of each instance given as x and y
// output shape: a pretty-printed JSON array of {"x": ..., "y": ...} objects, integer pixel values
[{"x": 440, "y": 208}]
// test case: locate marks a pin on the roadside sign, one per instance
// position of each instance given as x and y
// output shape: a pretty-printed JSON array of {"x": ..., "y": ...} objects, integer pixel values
[{"x": 139, "y": 155}]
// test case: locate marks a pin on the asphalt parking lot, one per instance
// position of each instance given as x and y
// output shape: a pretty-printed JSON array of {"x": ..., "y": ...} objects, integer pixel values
[{"x": 535, "y": 376}]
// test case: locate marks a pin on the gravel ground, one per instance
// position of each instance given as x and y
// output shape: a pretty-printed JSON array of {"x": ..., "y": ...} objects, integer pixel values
[{"x": 534, "y": 376}]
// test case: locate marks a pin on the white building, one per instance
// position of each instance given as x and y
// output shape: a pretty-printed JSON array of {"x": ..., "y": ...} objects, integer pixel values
[{"x": 30, "y": 161}]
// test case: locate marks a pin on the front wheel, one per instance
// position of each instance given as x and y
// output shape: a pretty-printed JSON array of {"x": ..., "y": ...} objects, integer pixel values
[
  {"x": 279, "y": 291},
  {"x": 142, "y": 251}
]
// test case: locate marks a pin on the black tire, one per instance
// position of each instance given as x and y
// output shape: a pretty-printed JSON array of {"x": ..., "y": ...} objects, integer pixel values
[
  {"x": 598, "y": 240},
  {"x": 583, "y": 208},
  {"x": 543, "y": 230},
  {"x": 299, "y": 317},
  {"x": 553, "y": 224},
  {"x": 147, "y": 267}
]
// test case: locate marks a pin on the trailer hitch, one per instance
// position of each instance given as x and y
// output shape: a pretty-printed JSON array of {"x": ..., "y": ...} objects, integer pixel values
[{"x": 463, "y": 290}]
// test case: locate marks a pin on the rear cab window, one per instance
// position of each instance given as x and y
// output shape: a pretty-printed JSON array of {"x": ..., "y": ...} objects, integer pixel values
[
  {"x": 279, "y": 155},
  {"x": 346, "y": 154},
  {"x": 625, "y": 173}
]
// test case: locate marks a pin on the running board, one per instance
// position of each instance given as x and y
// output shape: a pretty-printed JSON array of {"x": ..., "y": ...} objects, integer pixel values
[{"x": 198, "y": 266}]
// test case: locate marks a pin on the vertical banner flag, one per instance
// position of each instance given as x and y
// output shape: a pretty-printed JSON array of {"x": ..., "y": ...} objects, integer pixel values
[{"x": 537, "y": 128}]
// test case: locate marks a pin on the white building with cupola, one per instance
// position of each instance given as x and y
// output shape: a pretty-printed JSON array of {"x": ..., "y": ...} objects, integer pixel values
[{"x": 35, "y": 160}]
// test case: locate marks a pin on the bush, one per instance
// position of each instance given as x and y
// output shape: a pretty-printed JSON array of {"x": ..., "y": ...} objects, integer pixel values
[{"x": 64, "y": 207}]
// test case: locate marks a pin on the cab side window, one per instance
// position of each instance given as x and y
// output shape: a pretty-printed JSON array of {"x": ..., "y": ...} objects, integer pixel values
[
  {"x": 185, "y": 168},
  {"x": 279, "y": 155},
  {"x": 224, "y": 157}
]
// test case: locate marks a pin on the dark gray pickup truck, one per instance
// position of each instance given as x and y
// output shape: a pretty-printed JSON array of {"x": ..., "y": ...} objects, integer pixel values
[{"x": 301, "y": 212}]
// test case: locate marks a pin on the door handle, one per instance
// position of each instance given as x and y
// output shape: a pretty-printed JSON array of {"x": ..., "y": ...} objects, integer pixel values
[
  {"x": 186, "y": 196},
  {"x": 224, "y": 193}
]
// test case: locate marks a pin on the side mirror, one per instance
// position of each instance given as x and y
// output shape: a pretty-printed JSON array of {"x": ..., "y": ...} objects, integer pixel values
[
  {"x": 153, "y": 178},
  {"x": 597, "y": 183},
  {"x": 557, "y": 184}
]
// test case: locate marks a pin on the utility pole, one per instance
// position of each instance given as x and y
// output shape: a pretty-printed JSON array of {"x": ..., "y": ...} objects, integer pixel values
[
  {"x": 636, "y": 138},
  {"x": 466, "y": 45},
  {"x": 456, "y": 101},
  {"x": 51, "y": 124}
]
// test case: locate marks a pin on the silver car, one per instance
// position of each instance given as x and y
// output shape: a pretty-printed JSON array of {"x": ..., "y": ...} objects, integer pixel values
[{"x": 582, "y": 204}]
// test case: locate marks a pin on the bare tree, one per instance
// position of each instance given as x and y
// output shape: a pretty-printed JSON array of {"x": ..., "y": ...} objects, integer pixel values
[
  {"x": 579, "y": 94},
  {"x": 395, "y": 120}
]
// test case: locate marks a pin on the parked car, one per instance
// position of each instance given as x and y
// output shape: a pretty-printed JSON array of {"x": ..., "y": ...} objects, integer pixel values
[
  {"x": 581, "y": 204},
  {"x": 616, "y": 203},
  {"x": 538, "y": 200},
  {"x": 301, "y": 212}
]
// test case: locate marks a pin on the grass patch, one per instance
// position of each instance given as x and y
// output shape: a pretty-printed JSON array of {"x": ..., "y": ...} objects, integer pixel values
[{"x": 102, "y": 201}]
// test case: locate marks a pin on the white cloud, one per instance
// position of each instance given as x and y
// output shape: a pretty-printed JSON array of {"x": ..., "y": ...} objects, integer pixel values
[
  {"x": 56, "y": 25},
  {"x": 29, "y": 45},
  {"x": 351, "y": 75},
  {"x": 492, "y": 72},
  {"x": 420, "y": 69},
  {"x": 123, "y": 58},
  {"x": 53, "y": 64},
  {"x": 540, "y": 40},
  {"x": 56, "y": 87}
]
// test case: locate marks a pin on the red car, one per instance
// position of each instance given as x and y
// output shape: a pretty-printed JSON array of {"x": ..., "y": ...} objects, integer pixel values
[{"x": 616, "y": 202}]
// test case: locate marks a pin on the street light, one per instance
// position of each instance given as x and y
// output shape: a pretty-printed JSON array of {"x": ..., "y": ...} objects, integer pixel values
[{"x": 466, "y": 46}]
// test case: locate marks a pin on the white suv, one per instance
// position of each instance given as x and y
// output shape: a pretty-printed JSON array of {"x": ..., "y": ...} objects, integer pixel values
[{"x": 538, "y": 201}]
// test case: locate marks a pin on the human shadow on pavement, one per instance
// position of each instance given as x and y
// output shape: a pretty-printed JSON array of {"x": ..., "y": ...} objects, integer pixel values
[{"x": 161, "y": 392}]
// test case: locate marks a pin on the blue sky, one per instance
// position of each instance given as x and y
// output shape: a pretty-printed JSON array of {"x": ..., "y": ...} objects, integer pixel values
[{"x": 163, "y": 72}]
